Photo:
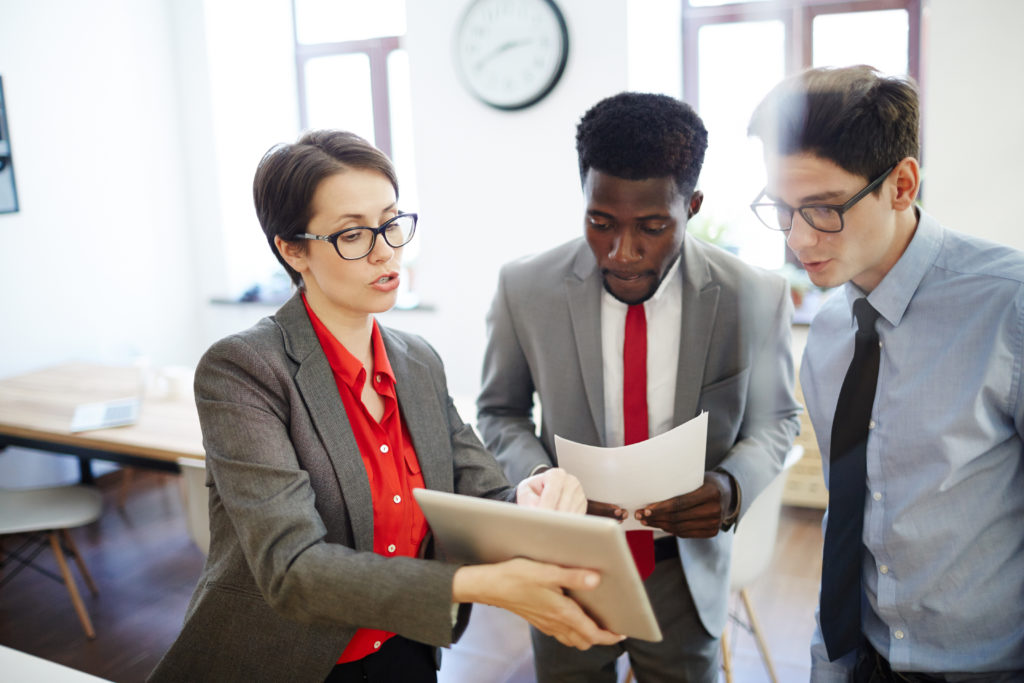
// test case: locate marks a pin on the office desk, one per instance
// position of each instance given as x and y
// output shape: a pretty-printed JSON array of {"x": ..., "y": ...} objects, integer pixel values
[
  {"x": 18, "y": 666},
  {"x": 36, "y": 410}
]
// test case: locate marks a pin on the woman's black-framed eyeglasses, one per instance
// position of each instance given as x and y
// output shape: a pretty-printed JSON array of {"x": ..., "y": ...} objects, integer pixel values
[
  {"x": 822, "y": 217},
  {"x": 353, "y": 244}
]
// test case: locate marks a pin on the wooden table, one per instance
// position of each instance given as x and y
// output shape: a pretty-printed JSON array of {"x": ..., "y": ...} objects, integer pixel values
[{"x": 36, "y": 410}]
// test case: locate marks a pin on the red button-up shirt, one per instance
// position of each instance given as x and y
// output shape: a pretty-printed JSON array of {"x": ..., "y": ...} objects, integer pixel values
[{"x": 388, "y": 455}]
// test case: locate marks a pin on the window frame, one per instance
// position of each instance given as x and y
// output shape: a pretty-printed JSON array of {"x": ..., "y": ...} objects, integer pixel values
[
  {"x": 377, "y": 51},
  {"x": 797, "y": 17}
]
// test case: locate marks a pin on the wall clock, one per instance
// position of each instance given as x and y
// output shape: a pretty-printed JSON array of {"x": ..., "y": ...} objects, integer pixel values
[{"x": 511, "y": 53}]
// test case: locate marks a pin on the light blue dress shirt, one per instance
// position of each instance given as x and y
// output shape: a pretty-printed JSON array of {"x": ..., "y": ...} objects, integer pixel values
[{"x": 944, "y": 512}]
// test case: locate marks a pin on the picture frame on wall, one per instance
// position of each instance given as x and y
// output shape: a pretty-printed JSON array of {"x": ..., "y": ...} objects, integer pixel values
[{"x": 8, "y": 190}]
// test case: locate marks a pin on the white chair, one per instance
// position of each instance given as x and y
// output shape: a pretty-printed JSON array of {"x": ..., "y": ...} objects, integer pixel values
[
  {"x": 46, "y": 514},
  {"x": 196, "y": 500},
  {"x": 752, "y": 551}
]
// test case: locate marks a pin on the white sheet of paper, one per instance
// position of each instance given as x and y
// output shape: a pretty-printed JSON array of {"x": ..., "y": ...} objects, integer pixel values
[{"x": 662, "y": 467}]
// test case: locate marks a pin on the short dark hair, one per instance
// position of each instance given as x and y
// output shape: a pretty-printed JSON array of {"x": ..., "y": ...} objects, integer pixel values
[
  {"x": 642, "y": 135},
  {"x": 289, "y": 174},
  {"x": 854, "y": 116}
]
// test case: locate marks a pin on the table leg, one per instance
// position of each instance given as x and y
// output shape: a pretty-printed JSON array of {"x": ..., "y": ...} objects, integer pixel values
[{"x": 85, "y": 470}]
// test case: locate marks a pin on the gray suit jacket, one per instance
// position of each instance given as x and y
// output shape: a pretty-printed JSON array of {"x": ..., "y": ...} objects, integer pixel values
[
  {"x": 544, "y": 336},
  {"x": 291, "y": 572}
]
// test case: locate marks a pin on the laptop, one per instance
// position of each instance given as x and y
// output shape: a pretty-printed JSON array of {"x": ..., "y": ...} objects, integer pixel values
[
  {"x": 118, "y": 413},
  {"x": 478, "y": 530}
]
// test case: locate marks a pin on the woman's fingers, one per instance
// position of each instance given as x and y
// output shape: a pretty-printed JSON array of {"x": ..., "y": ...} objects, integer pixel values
[
  {"x": 536, "y": 592},
  {"x": 553, "y": 489},
  {"x": 559, "y": 615}
]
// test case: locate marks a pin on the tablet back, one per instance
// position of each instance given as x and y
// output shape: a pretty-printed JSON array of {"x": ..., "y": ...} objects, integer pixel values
[{"x": 478, "y": 530}]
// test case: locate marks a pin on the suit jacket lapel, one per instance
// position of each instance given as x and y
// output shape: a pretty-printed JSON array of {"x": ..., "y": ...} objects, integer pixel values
[
  {"x": 429, "y": 431},
  {"x": 583, "y": 289},
  {"x": 700, "y": 307},
  {"x": 315, "y": 382}
]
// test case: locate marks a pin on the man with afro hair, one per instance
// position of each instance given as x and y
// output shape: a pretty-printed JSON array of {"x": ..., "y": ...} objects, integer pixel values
[{"x": 625, "y": 333}]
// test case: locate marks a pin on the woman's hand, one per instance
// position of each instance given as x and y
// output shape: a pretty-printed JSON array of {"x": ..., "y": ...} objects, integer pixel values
[
  {"x": 553, "y": 489},
  {"x": 534, "y": 591}
]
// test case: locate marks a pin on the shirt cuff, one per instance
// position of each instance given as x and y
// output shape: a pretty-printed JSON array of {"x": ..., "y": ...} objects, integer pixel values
[
  {"x": 539, "y": 468},
  {"x": 733, "y": 514}
]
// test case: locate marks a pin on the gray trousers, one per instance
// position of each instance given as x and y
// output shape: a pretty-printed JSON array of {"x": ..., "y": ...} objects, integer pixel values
[{"x": 687, "y": 654}]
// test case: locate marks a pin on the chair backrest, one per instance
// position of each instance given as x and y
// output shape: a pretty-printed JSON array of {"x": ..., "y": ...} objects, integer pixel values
[
  {"x": 755, "y": 535},
  {"x": 197, "y": 501}
]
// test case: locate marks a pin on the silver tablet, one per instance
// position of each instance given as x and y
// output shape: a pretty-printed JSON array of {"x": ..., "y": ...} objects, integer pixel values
[{"x": 478, "y": 530}]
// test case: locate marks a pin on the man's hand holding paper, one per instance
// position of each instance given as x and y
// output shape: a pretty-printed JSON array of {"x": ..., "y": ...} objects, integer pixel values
[
  {"x": 668, "y": 468},
  {"x": 697, "y": 514}
]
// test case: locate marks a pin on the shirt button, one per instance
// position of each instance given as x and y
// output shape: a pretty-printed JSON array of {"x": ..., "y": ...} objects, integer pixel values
[
  {"x": 391, "y": 548},
  {"x": 397, "y": 499},
  {"x": 876, "y": 495},
  {"x": 899, "y": 634},
  {"x": 884, "y": 569},
  {"x": 871, "y": 425},
  {"x": 376, "y": 378},
  {"x": 376, "y": 645},
  {"x": 384, "y": 448}
]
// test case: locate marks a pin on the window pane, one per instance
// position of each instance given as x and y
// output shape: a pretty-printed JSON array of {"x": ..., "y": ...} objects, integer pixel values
[
  {"x": 338, "y": 94},
  {"x": 878, "y": 39},
  {"x": 331, "y": 21},
  {"x": 731, "y": 83},
  {"x": 399, "y": 93},
  {"x": 654, "y": 44},
  {"x": 400, "y": 96}
]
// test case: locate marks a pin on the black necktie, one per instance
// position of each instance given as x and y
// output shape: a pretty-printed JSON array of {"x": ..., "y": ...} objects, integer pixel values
[{"x": 843, "y": 553}]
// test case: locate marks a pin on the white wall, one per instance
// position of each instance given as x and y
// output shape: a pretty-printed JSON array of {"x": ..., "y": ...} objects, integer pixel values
[
  {"x": 495, "y": 185},
  {"x": 973, "y": 147},
  {"x": 135, "y": 133},
  {"x": 97, "y": 263}
]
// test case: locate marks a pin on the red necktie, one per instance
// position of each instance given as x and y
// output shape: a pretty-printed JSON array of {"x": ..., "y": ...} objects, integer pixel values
[{"x": 634, "y": 414}]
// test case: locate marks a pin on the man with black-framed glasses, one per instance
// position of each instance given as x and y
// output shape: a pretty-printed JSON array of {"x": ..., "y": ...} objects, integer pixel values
[{"x": 913, "y": 381}]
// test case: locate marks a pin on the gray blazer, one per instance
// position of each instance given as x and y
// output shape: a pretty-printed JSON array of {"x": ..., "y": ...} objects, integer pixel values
[
  {"x": 291, "y": 572},
  {"x": 544, "y": 336}
]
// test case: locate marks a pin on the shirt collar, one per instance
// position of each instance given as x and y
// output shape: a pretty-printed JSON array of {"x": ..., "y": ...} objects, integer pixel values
[
  {"x": 347, "y": 367},
  {"x": 893, "y": 294},
  {"x": 670, "y": 277}
]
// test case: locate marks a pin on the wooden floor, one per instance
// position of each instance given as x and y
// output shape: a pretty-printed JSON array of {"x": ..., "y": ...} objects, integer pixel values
[{"x": 146, "y": 566}]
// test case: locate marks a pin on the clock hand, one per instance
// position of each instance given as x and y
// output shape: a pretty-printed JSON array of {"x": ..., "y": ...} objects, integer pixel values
[{"x": 504, "y": 47}]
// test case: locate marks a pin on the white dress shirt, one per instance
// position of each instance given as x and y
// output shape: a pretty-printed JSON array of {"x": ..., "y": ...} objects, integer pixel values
[{"x": 664, "y": 313}]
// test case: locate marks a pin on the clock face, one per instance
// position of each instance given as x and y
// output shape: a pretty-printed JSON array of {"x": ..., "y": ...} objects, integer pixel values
[{"x": 511, "y": 53}]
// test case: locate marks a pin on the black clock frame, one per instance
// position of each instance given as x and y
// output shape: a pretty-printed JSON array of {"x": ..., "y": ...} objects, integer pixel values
[{"x": 556, "y": 75}]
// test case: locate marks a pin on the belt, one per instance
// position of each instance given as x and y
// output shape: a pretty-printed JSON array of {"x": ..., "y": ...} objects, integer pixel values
[
  {"x": 666, "y": 548},
  {"x": 871, "y": 667}
]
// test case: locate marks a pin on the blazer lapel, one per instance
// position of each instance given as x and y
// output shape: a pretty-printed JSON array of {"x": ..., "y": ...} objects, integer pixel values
[
  {"x": 700, "y": 307},
  {"x": 428, "y": 429},
  {"x": 315, "y": 382},
  {"x": 583, "y": 289}
]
